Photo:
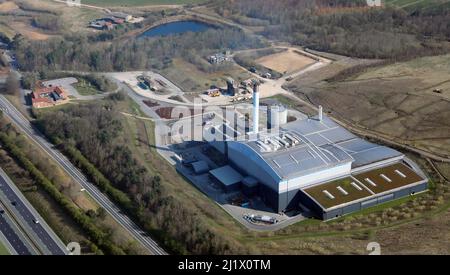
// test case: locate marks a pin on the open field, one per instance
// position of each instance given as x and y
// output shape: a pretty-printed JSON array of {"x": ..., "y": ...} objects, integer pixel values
[
  {"x": 84, "y": 88},
  {"x": 285, "y": 62},
  {"x": 131, "y": 3},
  {"x": 409, "y": 101},
  {"x": 423, "y": 236},
  {"x": 8, "y": 6},
  {"x": 28, "y": 31},
  {"x": 6, "y": 30},
  {"x": 444, "y": 169},
  {"x": 75, "y": 19},
  {"x": 11, "y": 24}
]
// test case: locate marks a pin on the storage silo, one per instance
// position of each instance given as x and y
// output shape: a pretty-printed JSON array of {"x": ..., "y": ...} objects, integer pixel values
[{"x": 276, "y": 116}]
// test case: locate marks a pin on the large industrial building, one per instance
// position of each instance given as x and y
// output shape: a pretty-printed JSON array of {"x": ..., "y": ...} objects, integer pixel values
[{"x": 317, "y": 164}]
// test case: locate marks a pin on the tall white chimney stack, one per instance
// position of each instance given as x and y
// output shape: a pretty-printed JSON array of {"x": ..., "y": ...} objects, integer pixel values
[
  {"x": 320, "y": 113},
  {"x": 255, "y": 107}
]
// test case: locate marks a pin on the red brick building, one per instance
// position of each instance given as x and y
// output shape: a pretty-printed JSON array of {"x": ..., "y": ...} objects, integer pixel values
[{"x": 48, "y": 96}]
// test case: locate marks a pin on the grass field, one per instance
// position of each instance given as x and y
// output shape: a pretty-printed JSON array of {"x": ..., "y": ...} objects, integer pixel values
[
  {"x": 84, "y": 88},
  {"x": 75, "y": 20},
  {"x": 130, "y": 3},
  {"x": 444, "y": 169},
  {"x": 3, "y": 250},
  {"x": 6, "y": 30}
]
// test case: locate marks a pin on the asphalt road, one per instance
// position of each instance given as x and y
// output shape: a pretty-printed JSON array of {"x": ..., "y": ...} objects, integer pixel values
[
  {"x": 40, "y": 232},
  {"x": 23, "y": 124},
  {"x": 16, "y": 242}
]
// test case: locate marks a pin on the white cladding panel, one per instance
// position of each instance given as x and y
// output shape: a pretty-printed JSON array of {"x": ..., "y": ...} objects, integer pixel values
[{"x": 317, "y": 177}]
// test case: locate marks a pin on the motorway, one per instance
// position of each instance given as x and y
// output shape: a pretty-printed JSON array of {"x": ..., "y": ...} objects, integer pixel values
[
  {"x": 40, "y": 235},
  {"x": 11, "y": 234},
  {"x": 19, "y": 120}
]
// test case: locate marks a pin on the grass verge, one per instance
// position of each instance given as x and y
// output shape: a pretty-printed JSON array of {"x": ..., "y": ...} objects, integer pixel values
[{"x": 3, "y": 250}]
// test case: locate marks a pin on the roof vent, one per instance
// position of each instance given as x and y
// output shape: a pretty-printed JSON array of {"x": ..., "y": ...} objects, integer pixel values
[
  {"x": 356, "y": 186},
  {"x": 386, "y": 178},
  {"x": 400, "y": 174},
  {"x": 328, "y": 194},
  {"x": 370, "y": 181},
  {"x": 342, "y": 190}
]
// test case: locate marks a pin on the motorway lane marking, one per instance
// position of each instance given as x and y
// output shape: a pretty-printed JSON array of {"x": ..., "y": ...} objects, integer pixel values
[
  {"x": 36, "y": 249},
  {"x": 21, "y": 221},
  {"x": 43, "y": 232}
]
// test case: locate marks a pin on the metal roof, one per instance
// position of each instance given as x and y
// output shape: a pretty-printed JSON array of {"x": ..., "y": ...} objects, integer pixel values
[
  {"x": 250, "y": 181},
  {"x": 200, "y": 166},
  {"x": 322, "y": 145},
  {"x": 226, "y": 175},
  {"x": 366, "y": 153}
]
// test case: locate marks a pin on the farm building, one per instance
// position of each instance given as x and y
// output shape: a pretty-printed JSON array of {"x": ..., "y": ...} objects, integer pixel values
[
  {"x": 102, "y": 24},
  {"x": 219, "y": 58},
  {"x": 48, "y": 96},
  {"x": 123, "y": 16}
]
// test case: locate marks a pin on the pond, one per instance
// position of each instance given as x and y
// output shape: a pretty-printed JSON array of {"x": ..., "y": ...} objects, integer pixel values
[{"x": 178, "y": 27}]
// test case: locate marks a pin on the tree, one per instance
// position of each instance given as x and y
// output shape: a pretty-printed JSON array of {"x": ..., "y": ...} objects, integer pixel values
[
  {"x": 12, "y": 85},
  {"x": 101, "y": 213},
  {"x": 29, "y": 80}
]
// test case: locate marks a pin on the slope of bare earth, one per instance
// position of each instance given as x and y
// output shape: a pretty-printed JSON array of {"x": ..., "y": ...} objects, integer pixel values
[{"x": 407, "y": 101}]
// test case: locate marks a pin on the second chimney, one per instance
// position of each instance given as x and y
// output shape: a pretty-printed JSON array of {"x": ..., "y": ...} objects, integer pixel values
[
  {"x": 255, "y": 107},
  {"x": 320, "y": 113}
]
